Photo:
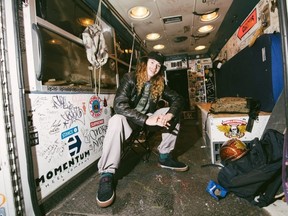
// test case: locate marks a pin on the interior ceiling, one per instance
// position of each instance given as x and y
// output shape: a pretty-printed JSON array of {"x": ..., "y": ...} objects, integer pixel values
[{"x": 173, "y": 34}]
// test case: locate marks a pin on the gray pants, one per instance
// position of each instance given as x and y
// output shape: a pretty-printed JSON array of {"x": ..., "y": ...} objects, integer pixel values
[{"x": 118, "y": 131}]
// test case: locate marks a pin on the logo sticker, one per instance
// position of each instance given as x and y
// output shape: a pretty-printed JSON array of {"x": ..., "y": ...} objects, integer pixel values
[
  {"x": 96, "y": 123},
  {"x": 74, "y": 145},
  {"x": 69, "y": 132},
  {"x": 95, "y": 106},
  {"x": 233, "y": 128}
]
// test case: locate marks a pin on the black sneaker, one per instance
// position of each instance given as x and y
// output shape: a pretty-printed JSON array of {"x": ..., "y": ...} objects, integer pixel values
[
  {"x": 175, "y": 165},
  {"x": 105, "y": 195}
]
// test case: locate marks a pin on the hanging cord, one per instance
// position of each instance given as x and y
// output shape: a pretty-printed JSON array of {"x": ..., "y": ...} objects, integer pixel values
[
  {"x": 95, "y": 80},
  {"x": 99, "y": 8},
  {"x": 133, "y": 43},
  {"x": 99, "y": 80},
  {"x": 97, "y": 89}
]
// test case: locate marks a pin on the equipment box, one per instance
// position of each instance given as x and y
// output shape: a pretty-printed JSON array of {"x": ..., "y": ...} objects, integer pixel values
[{"x": 218, "y": 128}]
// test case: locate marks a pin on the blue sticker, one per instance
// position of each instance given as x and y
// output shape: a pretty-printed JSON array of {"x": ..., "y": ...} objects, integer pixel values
[{"x": 69, "y": 132}]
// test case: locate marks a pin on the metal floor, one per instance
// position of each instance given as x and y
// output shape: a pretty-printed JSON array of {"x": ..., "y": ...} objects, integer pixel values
[{"x": 145, "y": 189}]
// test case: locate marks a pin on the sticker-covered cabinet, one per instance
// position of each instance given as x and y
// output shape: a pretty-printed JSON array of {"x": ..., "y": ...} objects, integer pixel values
[{"x": 197, "y": 74}]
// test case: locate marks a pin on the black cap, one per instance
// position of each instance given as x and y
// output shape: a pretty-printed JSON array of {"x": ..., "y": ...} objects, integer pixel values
[{"x": 156, "y": 56}]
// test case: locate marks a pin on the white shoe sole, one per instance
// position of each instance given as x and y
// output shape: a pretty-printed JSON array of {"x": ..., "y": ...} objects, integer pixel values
[
  {"x": 179, "y": 169},
  {"x": 105, "y": 203}
]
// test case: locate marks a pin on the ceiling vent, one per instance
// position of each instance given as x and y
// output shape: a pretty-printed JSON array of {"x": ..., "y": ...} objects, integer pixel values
[{"x": 172, "y": 19}]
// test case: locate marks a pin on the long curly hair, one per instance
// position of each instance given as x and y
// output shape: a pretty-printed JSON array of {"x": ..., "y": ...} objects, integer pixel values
[{"x": 157, "y": 81}]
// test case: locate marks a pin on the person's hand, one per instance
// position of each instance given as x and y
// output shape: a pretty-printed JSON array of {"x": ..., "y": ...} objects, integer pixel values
[
  {"x": 159, "y": 120},
  {"x": 168, "y": 116}
]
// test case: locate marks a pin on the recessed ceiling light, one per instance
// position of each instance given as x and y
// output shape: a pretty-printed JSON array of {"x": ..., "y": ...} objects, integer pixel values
[
  {"x": 206, "y": 28},
  {"x": 209, "y": 17},
  {"x": 83, "y": 21},
  {"x": 158, "y": 47},
  {"x": 201, "y": 47},
  {"x": 139, "y": 12},
  {"x": 153, "y": 36}
]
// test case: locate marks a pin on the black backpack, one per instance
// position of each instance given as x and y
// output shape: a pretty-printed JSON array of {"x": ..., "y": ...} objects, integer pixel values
[{"x": 258, "y": 173}]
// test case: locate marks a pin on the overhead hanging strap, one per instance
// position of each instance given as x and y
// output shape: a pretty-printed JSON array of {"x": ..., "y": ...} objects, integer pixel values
[{"x": 133, "y": 44}]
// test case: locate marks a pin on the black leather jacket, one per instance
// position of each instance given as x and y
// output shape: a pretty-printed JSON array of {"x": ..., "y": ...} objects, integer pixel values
[{"x": 126, "y": 99}]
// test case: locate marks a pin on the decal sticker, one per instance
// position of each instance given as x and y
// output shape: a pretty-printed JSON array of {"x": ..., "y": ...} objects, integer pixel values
[
  {"x": 233, "y": 128},
  {"x": 95, "y": 106},
  {"x": 69, "y": 132},
  {"x": 2, "y": 211},
  {"x": 96, "y": 123},
  {"x": 2, "y": 202},
  {"x": 74, "y": 145},
  {"x": 84, "y": 107},
  {"x": 57, "y": 173},
  {"x": 247, "y": 24}
]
